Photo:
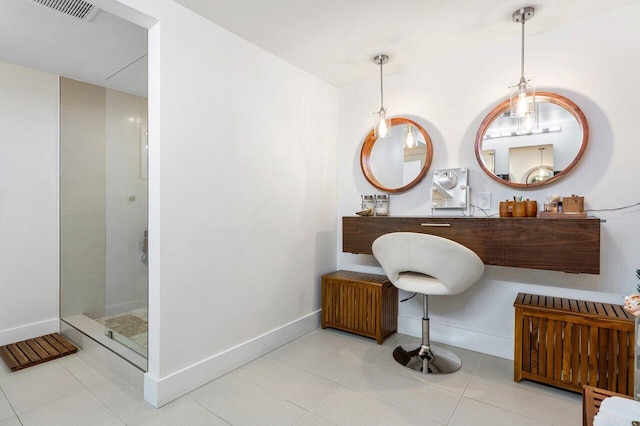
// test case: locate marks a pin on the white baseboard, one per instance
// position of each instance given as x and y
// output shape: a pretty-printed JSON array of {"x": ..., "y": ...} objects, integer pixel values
[
  {"x": 160, "y": 391},
  {"x": 467, "y": 339},
  {"x": 29, "y": 331}
]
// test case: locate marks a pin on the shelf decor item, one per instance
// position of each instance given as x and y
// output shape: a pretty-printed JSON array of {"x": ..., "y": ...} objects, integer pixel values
[{"x": 632, "y": 305}]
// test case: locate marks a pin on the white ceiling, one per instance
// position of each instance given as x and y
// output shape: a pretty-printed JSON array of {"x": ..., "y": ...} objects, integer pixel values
[
  {"x": 337, "y": 39},
  {"x": 107, "y": 51},
  {"x": 332, "y": 39}
]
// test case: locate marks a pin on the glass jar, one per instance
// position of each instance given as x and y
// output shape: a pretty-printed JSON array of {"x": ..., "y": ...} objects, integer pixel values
[
  {"x": 368, "y": 202},
  {"x": 382, "y": 205}
]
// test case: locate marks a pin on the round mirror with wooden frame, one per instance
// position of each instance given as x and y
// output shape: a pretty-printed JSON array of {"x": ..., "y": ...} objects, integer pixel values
[
  {"x": 534, "y": 155},
  {"x": 398, "y": 161}
]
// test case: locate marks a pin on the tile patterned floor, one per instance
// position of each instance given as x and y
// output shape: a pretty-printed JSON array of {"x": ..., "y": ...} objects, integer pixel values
[
  {"x": 325, "y": 377},
  {"x": 132, "y": 325}
]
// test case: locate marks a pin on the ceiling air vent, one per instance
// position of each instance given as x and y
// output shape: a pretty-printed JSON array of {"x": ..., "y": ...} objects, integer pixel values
[{"x": 78, "y": 9}]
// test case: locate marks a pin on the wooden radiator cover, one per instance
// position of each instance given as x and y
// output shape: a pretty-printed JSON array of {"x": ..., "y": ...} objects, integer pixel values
[
  {"x": 365, "y": 304},
  {"x": 569, "y": 343}
]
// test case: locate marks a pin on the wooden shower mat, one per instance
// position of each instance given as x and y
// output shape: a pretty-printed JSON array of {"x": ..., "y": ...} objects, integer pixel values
[{"x": 36, "y": 351}]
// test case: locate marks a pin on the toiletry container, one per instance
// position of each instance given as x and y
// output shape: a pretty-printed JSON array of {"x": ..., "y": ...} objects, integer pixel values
[
  {"x": 382, "y": 205},
  {"x": 519, "y": 209}
]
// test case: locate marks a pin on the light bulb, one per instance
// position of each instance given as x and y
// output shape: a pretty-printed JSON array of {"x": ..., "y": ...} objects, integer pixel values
[
  {"x": 411, "y": 139},
  {"x": 522, "y": 107},
  {"x": 383, "y": 130},
  {"x": 381, "y": 126}
]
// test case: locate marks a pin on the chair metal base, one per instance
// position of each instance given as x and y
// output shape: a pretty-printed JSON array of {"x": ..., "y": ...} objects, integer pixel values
[{"x": 427, "y": 359}]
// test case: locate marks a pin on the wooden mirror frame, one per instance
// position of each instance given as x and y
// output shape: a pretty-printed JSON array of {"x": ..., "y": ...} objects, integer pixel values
[
  {"x": 553, "y": 98},
  {"x": 367, "y": 147}
]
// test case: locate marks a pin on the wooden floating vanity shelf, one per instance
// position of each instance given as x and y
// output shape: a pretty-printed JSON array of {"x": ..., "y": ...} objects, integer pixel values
[{"x": 569, "y": 245}]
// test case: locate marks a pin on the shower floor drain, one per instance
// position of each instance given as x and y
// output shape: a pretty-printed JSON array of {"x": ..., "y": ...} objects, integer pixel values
[{"x": 36, "y": 351}]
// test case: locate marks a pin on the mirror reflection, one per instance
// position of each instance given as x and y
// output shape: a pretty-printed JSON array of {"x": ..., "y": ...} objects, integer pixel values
[
  {"x": 536, "y": 154},
  {"x": 399, "y": 160}
]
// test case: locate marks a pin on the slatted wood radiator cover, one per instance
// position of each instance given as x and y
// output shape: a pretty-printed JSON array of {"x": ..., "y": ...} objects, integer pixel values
[
  {"x": 569, "y": 343},
  {"x": 365, "y": 304}
]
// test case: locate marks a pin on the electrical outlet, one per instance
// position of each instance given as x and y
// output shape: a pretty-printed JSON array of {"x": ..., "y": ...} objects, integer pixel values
[{"x": 484, "y": 200}]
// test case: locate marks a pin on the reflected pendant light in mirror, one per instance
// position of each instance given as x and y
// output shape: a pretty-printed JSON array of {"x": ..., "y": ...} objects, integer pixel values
[
  {"x": 410, "y": 140},
  {"x": 381, "y": 121},
  {"x": 522, "y": 96},
  {"x": 542, "y": 173}
]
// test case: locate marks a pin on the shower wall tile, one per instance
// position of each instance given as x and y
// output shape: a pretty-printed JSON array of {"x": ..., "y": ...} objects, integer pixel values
[
  {"x": 76, "y": 228},
  {"x": 82, "y": 99},
  {"x": 79, "y": 297},
  {"x": 82, "y": 194},
  {"x": 83, "y": 132},
  {"x": 82, "y": 198},
  {"x": 83, "y": 265}
]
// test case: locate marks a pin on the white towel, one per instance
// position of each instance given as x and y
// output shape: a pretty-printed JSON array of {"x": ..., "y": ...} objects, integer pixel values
[
  {"x": 616, "y": 411},
  {"x": 609, "y": 419}
]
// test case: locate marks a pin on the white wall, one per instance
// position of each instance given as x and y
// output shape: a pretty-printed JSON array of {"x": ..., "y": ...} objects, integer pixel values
[
  {"x": 28, "y": 203},
  {"x": 588, "y": 61},
  {"x": 242, "y": 193}
]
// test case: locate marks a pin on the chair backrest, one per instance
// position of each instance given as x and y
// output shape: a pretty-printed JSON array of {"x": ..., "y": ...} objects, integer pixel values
[{"x": 453, "y": 264}]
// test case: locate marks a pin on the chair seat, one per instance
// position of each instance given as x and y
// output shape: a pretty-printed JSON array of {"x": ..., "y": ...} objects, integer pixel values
[
  {"x": 414, "y": 282},
  {"x": 427, "y": 264}
]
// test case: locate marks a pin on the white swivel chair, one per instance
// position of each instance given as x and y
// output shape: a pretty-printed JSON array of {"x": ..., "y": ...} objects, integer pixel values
[{"x": 426, "y": 264}]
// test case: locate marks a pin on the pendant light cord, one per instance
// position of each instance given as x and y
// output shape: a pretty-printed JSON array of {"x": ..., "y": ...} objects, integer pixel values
[
  {"x": 381, "y": 88},
  {"x": 522, "y": 56}
]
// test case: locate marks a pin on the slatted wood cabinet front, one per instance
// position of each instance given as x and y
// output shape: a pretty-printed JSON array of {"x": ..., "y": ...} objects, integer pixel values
[
  {"x": 569, "y": 343},
  {"x": 365, "y": 304}
]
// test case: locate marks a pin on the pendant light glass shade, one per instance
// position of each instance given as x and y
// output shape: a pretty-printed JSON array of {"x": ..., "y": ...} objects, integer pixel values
[
  {"x": 381, "y": 121},
  {"x": 522, "y": 96}
]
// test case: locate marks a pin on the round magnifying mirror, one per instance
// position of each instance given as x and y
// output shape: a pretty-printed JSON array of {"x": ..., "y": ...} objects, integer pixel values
[
  {"x": 525, "y": 153},
  {"x": 398, "y": 161}
]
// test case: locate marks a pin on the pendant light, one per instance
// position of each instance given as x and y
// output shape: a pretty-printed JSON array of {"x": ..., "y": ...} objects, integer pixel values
[
  {"x": 522, "y": 96},
  {"x": 410, "y": 140},
  {"x": 381, "y": 123},
  {"x": 540, "y": 174},
  {"x": 541, "y": 171}
]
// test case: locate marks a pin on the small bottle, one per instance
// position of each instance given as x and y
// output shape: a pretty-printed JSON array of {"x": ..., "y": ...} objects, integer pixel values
[{"x": 559, "y": 206}]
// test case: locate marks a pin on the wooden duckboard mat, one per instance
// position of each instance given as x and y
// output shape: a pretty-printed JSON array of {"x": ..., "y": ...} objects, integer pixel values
[{"x": 36, "y": 351}]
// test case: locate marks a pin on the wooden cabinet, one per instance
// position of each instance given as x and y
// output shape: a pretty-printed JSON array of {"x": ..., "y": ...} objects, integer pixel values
[
  {"x": 569, "y": 245},
  {"x": 365, "y": 304}
]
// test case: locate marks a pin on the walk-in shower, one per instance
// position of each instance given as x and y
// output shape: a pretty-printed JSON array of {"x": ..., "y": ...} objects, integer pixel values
[{"x": 103, "y": 216}]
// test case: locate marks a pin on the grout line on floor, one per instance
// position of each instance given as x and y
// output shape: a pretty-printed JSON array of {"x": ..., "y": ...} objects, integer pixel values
[
  {"x": 212, "y": 412},
  {"x": 9, "y": 402}
]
